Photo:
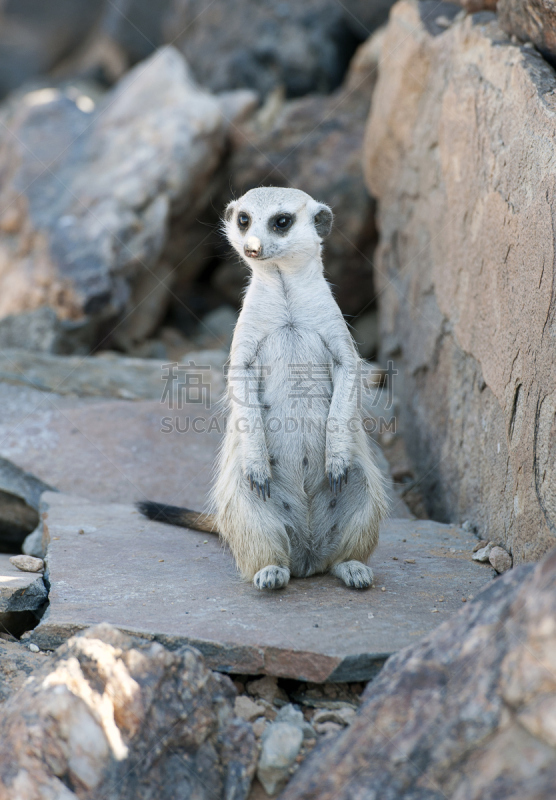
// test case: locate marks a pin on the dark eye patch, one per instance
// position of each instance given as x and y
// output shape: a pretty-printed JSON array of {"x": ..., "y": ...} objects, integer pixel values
[
  {"x": 243, "y": 221},
  {"x": 281, "y": 223}
]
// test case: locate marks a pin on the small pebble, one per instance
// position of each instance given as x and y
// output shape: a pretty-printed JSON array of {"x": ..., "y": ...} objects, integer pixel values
[
  {"x": 480, "y": 545},
  {"x": 328, "y": 728},
  {"x": 247, "y": 709},
  {"x": 383, "y": 588},
  {"x": 27, "y": 563},
  {"x": 33, "y": 648},
  {"x": 500, "y": 559},
  {"x": 434, "y": 611},
  {"x": 464, "y": 599},
  {"x": 395, "y": 558},
  {"x": 409, "y": 560}
]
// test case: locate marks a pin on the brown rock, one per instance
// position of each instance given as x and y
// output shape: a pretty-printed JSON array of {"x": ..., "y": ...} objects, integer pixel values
[
  {"x": 267, "y": 688},
  {"x": 429, "y": 728},
  {"x": 457, "y": 148},
  {"x": 315, "y": 145},
  {"x": 477, "y": 5},
  {"x": 110, "y": 711},
  {"x": 531, "y": 21},
  {"x": 27, "y": 563},
  {"x": 500, "y": 559}
]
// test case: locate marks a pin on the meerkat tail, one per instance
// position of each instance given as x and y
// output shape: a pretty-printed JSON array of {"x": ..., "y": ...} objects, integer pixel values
[{"x": 182, "y": 517}]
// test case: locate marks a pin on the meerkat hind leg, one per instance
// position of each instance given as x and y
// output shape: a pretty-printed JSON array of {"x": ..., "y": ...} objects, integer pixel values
[
  {"x": 354, "y": 574},
  {"x": 272, "y": 577}
]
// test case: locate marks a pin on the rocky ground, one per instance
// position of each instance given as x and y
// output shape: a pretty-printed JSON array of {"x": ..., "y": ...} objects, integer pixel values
[{"x": 133, "y": 661}]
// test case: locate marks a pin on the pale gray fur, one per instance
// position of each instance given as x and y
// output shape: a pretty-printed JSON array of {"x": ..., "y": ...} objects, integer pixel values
[{"x": 289, "y": 316}]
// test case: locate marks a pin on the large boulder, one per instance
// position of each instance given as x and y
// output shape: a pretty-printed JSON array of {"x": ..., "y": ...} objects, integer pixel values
[
  {"x": 315, "y": 143},
  {"x": 87, "y": 194},
  {"x": 261, "y": 44},
  {"x": 467, "y": 713},
  {"x": 531, "y": 21},
  {"x": 35, "y": 35},
  {"x": 115, "y": 718},
  {"x": 459, "y": 153}
]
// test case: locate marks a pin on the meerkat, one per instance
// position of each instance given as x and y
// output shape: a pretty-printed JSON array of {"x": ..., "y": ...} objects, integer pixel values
[{"x": 297, "y": 489}]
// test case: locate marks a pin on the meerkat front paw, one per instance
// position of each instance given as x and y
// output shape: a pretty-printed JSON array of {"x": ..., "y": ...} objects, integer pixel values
[
  {"x": 272, "y": 577},
  {"x": 337, "y": 471},
  {"x": 258, "y": 476},
  {"x": 354, "y": 574}
]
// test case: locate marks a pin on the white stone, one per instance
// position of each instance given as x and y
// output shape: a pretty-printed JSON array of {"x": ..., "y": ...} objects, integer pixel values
[
  {"x": 27, "y": 563},
  {"x": 281, "y": 744}
]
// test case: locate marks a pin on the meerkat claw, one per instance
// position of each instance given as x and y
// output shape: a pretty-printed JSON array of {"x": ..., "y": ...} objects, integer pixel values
[{"x": 261, "y": 488}]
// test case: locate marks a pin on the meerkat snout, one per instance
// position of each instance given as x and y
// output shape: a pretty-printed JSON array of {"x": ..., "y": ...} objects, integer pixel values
[{"x": 253, "y": 247}]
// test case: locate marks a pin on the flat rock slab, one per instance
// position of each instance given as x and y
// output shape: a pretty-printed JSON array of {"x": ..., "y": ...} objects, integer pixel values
[
  {"x": 19, "y": 591},
  {"x": 114, "y": 450},
  {"x": 108, "y": 564}
]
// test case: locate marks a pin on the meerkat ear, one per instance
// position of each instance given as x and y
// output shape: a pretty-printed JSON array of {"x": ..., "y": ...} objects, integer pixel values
[
  {"x": 323, "y": 221},
  {"x": 229, "y": 212}
]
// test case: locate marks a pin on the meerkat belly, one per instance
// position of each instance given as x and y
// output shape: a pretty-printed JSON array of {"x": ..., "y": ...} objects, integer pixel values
[{"x": 295, "y": 396}]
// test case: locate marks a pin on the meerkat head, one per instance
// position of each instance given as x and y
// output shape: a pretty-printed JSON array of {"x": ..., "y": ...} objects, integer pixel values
[{"x": 277, "y": 226}]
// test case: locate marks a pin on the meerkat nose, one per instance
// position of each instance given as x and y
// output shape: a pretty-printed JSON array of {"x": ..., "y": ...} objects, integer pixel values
[{"x": 253, "y": 247}]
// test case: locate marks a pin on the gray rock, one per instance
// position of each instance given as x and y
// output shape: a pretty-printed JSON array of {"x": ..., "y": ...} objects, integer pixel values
[
  {"x": 136, "y": 721},
  {"x": 107, "y": 563},
  {"x": 33, "y": 545},
  {"x": 41, "y": 331},
  {"x": 110, "y": 375},
  {"x": 35, "y": 36},
  {"x": 20, "y": 494},
  {"x": 500, "y": 559},
  {"x": 467, "y": 712},
  {"x": 217, "y": 328},
  {"x": 20, "y": 591},
  {"x": 280, "y": 745},
  {"x": 94, "y": 219},
  {"x": 305, "y": 46},
  {"x": 483, "y": 553},
  {"x": 293, "y": 716}
]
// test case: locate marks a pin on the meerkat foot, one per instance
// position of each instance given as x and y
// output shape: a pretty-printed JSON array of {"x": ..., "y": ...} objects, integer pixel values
[
  {"x": 354, "y": 574},
  {"x": 272, "y": 577}
]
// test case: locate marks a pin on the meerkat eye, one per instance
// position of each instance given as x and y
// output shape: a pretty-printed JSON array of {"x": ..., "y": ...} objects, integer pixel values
[
  {"x": 243, "y": 221},
  {"x": 283, "y": 222}
]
